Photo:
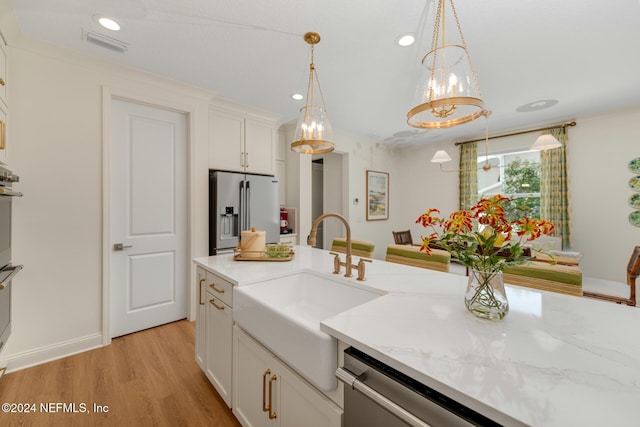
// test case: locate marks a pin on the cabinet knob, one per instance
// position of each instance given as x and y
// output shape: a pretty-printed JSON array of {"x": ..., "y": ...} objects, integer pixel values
[{"x": 2, "y": 83}]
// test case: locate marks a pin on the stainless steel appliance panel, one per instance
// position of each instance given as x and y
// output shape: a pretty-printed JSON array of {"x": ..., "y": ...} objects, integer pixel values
[
  {"x": 376, "y": 395},
  {"x": 238, "y": 202},
  {"x": 6, "y": 274},
  {"x": 224, "y": 210},
  {"x": 7, "y": 270},
  {"x": 5, "y": 227},
  {"x": 263, "y": 206}
]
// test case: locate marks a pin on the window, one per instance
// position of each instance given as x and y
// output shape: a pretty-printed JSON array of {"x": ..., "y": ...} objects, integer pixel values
[{"x": 515, "y": 175}]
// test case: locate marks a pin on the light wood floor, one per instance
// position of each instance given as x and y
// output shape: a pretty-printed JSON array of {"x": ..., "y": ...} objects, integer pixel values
[{"x": 149, "y": 378}]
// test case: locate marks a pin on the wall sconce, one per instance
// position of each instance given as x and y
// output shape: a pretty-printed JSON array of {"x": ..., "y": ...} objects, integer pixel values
[{"x": 546, "y": 142}]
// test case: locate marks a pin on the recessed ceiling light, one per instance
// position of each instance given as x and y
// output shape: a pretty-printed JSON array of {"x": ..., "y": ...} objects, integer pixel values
[
  {"x": 405, "y": 40},
  {"x": 537, "y": 105},
  {"x": 297, "y": 96},
  {"x": 107, "y": 23}
]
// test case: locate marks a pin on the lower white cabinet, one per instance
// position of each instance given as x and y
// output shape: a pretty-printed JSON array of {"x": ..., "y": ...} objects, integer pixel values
[
  {"x": 267, "y": 393},
  {"x": 219, "y": 346},
  {"x": 214, "y": 331},
  {"x": 289, "y": 239},
  {"x": 201, "y": 322}
]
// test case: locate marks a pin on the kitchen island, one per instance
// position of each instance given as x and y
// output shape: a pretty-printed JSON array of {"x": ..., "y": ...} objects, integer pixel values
[{"x": 555, "y": 360}]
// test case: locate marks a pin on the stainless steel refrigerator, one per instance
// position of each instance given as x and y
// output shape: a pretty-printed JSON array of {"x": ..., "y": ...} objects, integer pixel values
[{"x": 239, "y": 201}]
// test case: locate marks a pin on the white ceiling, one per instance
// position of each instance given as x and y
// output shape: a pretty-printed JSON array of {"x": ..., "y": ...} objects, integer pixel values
[{"x": 583, "y": 53}]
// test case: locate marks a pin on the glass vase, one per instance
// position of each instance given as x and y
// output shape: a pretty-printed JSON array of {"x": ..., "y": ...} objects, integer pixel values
[{"x": 485, "y": 296}]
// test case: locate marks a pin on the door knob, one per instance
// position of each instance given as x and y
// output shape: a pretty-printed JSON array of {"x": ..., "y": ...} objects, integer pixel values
[{"x": 120, "y": 246}]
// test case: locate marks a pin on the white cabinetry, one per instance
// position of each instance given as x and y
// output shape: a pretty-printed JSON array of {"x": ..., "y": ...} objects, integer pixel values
[
  {"x": 3, "y": 71},
  {"x": 201, "y": 319},
  {"x": 240, "y": 142},
  {"x": 268, "y": 393},
  {"x": 214, "y": 329},
  {"x": 3, "y": 98},
  {"x": 281, "y": 174},
  {"x": 3, "y": 133},
  {"x": 289, "y": 239},
  {"x": 281, "y": 168}
]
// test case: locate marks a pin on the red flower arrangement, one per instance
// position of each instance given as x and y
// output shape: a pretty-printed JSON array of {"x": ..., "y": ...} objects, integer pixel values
[{"x": 481, "y": 237}]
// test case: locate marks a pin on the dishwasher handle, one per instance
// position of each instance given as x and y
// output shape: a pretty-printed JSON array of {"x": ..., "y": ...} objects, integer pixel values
[
  {"x": 352, "y": 381},
  {"x": 12, "y": 271}
]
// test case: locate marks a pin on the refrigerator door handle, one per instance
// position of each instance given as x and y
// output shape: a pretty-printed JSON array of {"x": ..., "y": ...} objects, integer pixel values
[
  {"x": 248, "y": 204},
  {"x": 242, "y": 207}
]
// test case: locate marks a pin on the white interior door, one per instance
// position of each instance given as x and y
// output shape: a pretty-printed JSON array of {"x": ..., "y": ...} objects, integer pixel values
[{"x": 148, "y": 217}]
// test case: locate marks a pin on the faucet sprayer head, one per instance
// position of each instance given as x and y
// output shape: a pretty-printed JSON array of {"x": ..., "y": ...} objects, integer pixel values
[{"x": 311, "y": 239}]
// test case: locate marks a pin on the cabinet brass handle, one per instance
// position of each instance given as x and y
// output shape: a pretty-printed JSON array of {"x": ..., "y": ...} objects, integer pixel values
[
  {"x": 200, "y": 292},
  {"x": 2, "y": 83},
  {"x": 3, "y": 132},
  {"x": 272, "y": 415},
  {"x": 216, "y": 305},
  {"x": 213, "y": 286},
  {"x": 265, "y": 408}
]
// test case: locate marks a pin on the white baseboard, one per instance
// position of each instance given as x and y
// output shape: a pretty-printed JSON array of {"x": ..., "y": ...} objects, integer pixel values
[{"x": 38, "y": 356}]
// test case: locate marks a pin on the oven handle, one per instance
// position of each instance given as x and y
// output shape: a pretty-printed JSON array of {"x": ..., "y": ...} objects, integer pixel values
[
  {"x": 9, "y": 193},
  {"x": 12, "y": 272},
  {"x": 352, "y": 381}
]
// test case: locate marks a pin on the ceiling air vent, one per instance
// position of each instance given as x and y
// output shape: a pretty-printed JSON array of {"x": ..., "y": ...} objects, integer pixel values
[{"x": 106, "y": 42}]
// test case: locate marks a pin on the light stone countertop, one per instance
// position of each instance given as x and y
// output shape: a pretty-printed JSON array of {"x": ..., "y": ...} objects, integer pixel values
[{"x": 554, "y": 360}]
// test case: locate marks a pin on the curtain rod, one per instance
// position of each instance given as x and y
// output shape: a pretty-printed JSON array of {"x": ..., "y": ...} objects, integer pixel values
[{"x": 564, "y": 125}]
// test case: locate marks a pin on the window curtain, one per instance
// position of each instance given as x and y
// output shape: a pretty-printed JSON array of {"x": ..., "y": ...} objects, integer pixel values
[
  {"x": 554, "y": 187},
  {"x": 468, "y": 175}
]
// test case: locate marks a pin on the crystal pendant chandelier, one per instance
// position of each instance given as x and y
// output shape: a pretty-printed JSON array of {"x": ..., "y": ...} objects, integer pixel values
[
  {"x": 314, "y": 134},
  {"x": 448, "y": 93}
]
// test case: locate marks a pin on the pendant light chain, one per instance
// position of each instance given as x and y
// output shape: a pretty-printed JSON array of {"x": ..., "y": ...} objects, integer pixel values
[
  {"x": 464, "y": 45},
  {"x": 314, "y": 72},
  {"x": 486, "y": 166},
  {"x": 435, "y": 39}
]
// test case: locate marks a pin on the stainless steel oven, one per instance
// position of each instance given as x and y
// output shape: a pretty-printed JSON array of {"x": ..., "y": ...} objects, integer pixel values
[
  {"x": 377, "y": 395},
  {"x": 7, "y": 269}
]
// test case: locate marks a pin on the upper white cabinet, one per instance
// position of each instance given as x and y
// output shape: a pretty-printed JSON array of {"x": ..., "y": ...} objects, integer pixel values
[
  {"x": 241, "y": 142},
  {"x": 281, "y": 168}
]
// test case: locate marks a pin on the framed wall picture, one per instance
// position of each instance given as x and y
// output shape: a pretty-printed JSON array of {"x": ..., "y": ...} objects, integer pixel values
[{"x": 377, "y": 195}]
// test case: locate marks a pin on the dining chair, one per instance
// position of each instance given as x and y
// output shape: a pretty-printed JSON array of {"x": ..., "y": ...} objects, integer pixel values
[
  {"x": 609, "y": 290},
  {"x": 565, "y": 279},
  {"x": 411, "y": 255},
  {"x": 358, "y": 247},
  {"x": 402, "y": 237}
]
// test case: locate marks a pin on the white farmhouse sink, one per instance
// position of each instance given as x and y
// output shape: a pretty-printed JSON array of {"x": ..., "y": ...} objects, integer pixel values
[{"x": 284, "y": 314}]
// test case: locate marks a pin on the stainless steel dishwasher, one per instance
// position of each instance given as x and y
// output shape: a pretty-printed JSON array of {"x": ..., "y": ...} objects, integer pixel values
[{"x": 376, "y": 395}]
